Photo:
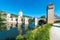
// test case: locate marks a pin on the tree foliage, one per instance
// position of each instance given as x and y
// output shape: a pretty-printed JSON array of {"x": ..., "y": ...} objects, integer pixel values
[
  {"x": 20, "y": 37},
  {"x": 43, "y": 16}
]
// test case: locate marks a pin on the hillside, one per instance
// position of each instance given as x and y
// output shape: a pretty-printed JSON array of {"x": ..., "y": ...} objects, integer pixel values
[
  {"x": 3, "y": 18},
  {"x": 3, "y": 15}
]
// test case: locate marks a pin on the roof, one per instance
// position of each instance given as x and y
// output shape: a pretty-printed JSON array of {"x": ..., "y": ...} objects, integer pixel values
[{"x": 51, "y": 4}]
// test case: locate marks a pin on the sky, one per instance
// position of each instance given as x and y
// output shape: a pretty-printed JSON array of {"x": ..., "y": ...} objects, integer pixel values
[{"x": 34, "y": 8}]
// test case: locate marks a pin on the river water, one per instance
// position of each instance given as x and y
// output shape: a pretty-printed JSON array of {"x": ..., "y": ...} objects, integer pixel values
[{"x": 12, "y": 33}]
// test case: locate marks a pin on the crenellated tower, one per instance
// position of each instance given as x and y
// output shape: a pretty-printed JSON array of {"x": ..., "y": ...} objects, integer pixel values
[{"x": 50, "y": 13}]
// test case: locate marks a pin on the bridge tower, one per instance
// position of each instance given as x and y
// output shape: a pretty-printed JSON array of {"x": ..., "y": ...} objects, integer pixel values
[
  {"x": 50, "y": 13},
  {"x": 20, "y": 22},
  {"x": 8, "y": 24},
  {"x": 20, "y": 13}
]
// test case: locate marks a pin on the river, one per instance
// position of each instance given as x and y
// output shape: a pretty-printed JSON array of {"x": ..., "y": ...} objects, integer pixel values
[{"x": 12, "y": 33}]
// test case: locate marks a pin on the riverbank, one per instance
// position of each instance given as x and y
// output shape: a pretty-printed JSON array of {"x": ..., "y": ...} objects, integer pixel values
[
  {"x": 55, "y": 32},
  {"x": 41, "y": 33}
]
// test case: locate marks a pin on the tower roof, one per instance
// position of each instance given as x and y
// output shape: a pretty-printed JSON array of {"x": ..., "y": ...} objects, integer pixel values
[{"x": 50, "y": 4}]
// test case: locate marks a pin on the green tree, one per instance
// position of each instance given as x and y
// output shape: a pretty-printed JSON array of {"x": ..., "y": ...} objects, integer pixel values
[{"x": 43, "y": 16}]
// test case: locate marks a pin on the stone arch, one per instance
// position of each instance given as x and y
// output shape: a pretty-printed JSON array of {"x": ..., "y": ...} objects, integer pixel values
[{"x": 41, "y": 22}]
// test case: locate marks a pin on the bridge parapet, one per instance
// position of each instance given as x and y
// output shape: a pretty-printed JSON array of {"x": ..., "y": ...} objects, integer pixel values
[
  {"x": 42, "y": 19},
  {"x": 57, "y": 20}
]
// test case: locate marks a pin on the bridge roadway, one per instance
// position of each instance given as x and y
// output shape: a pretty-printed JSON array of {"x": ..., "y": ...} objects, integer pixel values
[{"x": 55, "y": 33}]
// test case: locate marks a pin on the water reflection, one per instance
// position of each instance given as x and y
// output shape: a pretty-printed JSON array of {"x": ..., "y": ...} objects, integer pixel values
[
  {"x": 19, "y": 28},
  {"x": 8, "y": 25},
  {"x": 13, "y": 32}
]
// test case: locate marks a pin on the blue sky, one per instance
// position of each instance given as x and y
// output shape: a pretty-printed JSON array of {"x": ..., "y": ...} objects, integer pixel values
[{"x": 34, "y": 8}]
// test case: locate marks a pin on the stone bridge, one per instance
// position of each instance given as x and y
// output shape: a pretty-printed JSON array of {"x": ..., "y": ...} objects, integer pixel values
[
  {"x": 56, "y": 19},
  {"x": 37, "y": 19}
]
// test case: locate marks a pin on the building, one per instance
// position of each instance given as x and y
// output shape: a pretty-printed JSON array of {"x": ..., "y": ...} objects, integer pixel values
[{"x": 50, "y": 13}]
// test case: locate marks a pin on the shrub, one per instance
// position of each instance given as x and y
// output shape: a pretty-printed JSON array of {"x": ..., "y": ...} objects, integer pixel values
[
  {"x": 19, "y": 37},
  {"x": 41, "y": 34},
  {"x": 30, "y": 36}
]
